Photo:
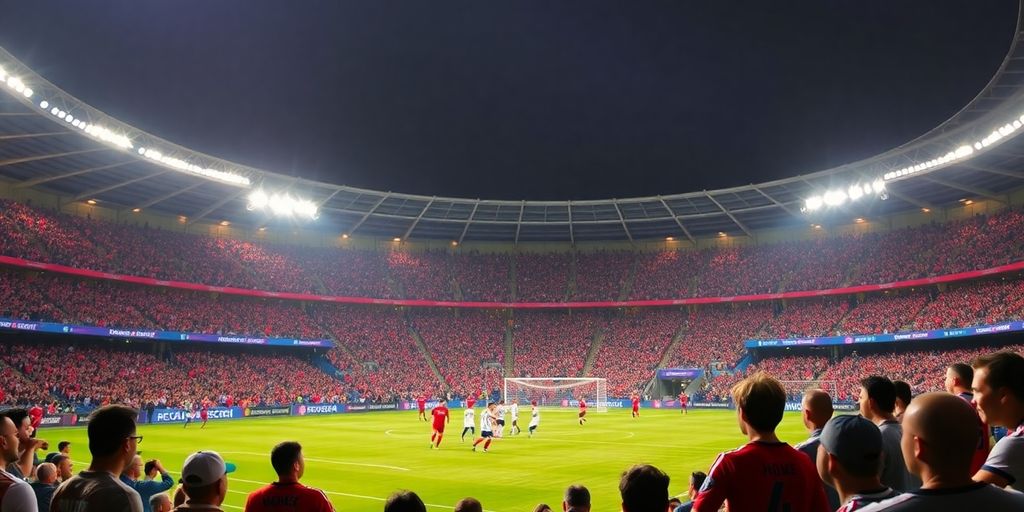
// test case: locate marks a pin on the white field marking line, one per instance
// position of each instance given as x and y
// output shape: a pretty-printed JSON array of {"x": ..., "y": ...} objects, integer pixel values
[
  {"x": 330, "y": 461},
  {"x": 361, "y": 496}
]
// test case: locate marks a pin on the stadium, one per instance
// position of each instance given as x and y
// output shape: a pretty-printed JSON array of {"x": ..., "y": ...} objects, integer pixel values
[{"x": 137, "y": 271}]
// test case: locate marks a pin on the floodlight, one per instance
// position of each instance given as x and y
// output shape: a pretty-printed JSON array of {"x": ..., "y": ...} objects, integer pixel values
[
  {"x": 44, "y": 104},
  {"x": 878, "y": 186},
  {"x": 813, "y": 203},
  {"x": 257, "y": 199},
  {"x": 834, "y": 197}
]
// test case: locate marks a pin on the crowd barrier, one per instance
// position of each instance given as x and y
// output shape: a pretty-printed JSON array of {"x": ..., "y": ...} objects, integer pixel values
[
  {"x": 935, "y": 334},
  {"x": 175, "y": 336}
]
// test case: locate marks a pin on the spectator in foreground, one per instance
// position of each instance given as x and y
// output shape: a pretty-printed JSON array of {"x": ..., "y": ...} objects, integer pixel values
[
  {"x": 404, "y": 501},
  {"x": 959, "y": 378},
  {"x": 287, "y": 494},
  {"x": 205, "y": 479},
  {"x": 849, "y": 459},
  {"x": 542, "y": 507},
  {"x": 644, "y": 488},
  {"x": 112, "y": 443},
  {"x": 696, "y": 481},
  {"x": 27, "y": 445},
  {"x": 765, "y": 470},
  {"x": 15, "y": 494},
  {"x": 903, "y": 398},
  {"x": 817, "y": 410},
  {"x": 160, "y": 503},
  {"x": 939, "y": 439},
  {"x": 146, "y": 488},
  {"x": 469, "y": 505},
  {"x": 877, "y": 403},
  {"x": 999, "y": 394},
  {"x": 45, "y": 484},
  {"x": 577, "y": 499},
  {"x": 64, "y": 467}
]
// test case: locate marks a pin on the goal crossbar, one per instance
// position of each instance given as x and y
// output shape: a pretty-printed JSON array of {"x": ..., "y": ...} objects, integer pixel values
[{"x": 558, "y": 391}]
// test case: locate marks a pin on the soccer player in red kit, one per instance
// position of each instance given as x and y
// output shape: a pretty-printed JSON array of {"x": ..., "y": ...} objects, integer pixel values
[
  {"x": 583, "y": 411},
  {"x": 440, "y": 415},
  {"x": 204, "y": 413},
  {"x": 683, "y": 400},
  {"x": 421, "y": 402},
  {"x": 764, "y": 474},
  {"x": 470, "y": 401},
  {"x": 636, "y": 406}
]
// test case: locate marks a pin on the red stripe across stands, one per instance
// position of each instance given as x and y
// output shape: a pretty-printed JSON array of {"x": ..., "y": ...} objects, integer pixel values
[{"x": 61, "y": 269}]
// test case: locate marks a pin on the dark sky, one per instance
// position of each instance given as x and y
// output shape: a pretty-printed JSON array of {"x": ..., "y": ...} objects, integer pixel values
[{"x": 524, "y": 99}]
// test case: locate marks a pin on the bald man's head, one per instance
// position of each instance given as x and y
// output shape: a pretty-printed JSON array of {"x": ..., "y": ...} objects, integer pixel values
[
  {"x": 940, "y": 432},
  {"x": 817, "y": 408},
  {"x": 46, "y": 473}
]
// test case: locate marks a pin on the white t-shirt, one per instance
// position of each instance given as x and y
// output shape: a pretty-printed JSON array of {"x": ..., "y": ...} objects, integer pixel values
[
  {"x": 515, "y": 412},
  {"x": 535, "y": 417},
  {"x": 467, "y": 418},
  {"x": 500, "y": 412},
  {"x": 978, "y": 496},
  {"x": 15, "y": 494},
  {"x": 485, "y": 421},
  {"x": 1007, "y": 459}
]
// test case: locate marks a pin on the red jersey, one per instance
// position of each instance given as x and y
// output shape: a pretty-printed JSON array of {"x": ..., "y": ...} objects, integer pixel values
[
  {"x": 440, "y": 414},
  {"x": 583, "y": 406},
  {"x": 421, "y": 402},
  {"x": 683, "y": 399},
  {"x": 762, "y": 476},
  {"x": 636, "y": 403},
  {"x": 470, "y": 402},
  {"x": 278, "y": 497},
  {"x": 35, "y": 415}
]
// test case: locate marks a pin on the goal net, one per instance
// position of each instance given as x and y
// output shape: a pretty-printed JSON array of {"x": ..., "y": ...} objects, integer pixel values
[{"x": 558, "y": 392}]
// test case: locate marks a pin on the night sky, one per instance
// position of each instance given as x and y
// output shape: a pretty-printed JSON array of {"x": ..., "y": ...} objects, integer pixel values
[{"x": 524, "y": 99}]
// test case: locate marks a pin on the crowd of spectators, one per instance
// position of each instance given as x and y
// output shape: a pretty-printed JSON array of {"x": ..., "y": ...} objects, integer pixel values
[
  {"x": 806, "y": 318},
  {"x": 542, "y": 277},
  {"x": 388, "y": 364},
  {"x": 825, "y": 262},
  {"x": 553, "y": 343},
  {"x": 882, "y": 314},
  {"x": 467, "y": 346},
  {"x": 483, "y": 277},
  {"x": 632, "y": 347},
  {"x": 717, "y": 333},
  {"x": 600, "y": 275}
]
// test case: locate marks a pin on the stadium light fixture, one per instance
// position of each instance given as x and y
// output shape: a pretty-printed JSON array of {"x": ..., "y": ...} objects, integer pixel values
[
  {"x": 859, "y": 220},
  {"x": 91, "y": 201},
  {"x": 344, "y": 236},
  {"x": 669, "y": 238},
  {"x": 396, "y": 239},
  {"x": 722, "y": 234},
  {"x": 282, "y": 205},
  {"x": 454, "y": 243},
  {"x": 136, "y": 210},
  {"x": 225, "y": 223},
  {"x": 926, "y": 210}
]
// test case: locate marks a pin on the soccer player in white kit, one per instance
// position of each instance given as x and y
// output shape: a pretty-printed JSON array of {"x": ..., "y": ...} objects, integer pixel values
[
  {"x": 515, "y": 418},
  {"x": 467, "y": 423},
  {"x": 534, "y": 417},
  {"x": 487, "y": 421},
  {"x": 499, "y": 427}
]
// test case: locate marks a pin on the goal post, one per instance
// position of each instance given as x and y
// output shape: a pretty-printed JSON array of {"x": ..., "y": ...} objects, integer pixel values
[{"x": 558, "y": 391}]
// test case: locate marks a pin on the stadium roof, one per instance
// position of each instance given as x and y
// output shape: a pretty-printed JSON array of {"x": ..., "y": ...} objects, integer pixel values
[{"x": 52, "y": 141}]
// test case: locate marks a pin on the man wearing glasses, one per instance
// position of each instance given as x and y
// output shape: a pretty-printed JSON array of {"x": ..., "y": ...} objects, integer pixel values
[{"x": 112, "y": 443}]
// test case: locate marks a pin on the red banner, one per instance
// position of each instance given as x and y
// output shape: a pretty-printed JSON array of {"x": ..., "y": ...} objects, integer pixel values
[{"x": 61, "y": 269}]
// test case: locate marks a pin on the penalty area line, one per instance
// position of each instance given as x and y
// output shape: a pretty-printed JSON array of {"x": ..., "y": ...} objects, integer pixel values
[{"x": 330, "y": 461}]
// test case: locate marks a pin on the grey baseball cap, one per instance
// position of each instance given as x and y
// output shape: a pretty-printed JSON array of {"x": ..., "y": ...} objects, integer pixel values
[{"x": 855, "y": 441}]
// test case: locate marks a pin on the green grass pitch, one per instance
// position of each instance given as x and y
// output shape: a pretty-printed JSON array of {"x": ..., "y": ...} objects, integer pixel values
[{"x": 358, "y": 459}]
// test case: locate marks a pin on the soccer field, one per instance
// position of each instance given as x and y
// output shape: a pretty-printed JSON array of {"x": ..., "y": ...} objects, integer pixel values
[{"x": 358, "y": 459}]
